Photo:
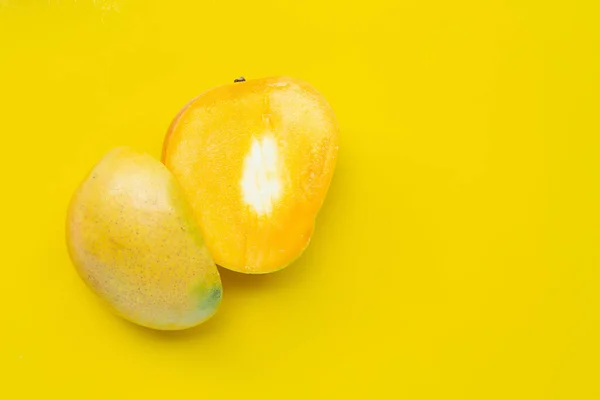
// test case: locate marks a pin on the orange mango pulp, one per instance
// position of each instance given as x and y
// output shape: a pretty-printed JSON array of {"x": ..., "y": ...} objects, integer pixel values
[{"x": 255, "y": 160}]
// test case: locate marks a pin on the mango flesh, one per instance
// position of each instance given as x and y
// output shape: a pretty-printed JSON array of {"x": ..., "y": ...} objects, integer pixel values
[
  {"x": 134, "y": 241},
  {"x": 255, "y": 160}
]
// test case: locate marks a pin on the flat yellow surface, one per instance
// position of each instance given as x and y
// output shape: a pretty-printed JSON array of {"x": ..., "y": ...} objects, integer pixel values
[{"x": 457, "y": 254}]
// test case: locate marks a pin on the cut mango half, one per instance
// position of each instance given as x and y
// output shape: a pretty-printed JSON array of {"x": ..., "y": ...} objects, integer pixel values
[{"x": 255, "y": 160}]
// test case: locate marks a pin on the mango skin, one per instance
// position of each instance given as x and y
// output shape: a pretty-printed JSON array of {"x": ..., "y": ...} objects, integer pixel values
[
  {"x": 255, "y": 160},
  {"x": 133, "y": 240}
]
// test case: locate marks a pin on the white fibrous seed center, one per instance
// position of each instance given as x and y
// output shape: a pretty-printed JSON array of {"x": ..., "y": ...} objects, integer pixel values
[{"x": 260, "y": 182}]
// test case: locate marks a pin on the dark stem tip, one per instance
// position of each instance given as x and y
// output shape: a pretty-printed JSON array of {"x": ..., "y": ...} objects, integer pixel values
[{"x": 240, "y": 79}]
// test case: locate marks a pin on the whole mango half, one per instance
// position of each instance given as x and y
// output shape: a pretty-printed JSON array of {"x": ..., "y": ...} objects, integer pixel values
[
  {"x": 255, "y": 159},
  {"x": 134, "y": 241}
]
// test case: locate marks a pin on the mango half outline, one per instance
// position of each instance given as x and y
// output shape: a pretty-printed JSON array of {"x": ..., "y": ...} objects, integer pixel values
[
  {"x": 255, "y": 160},
  {"x": 134, "y": 241}
]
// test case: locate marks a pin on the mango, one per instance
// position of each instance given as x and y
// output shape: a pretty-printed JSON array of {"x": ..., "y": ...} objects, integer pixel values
[
  {"x": 134, "y": 241},
  {"x": 255, "y": 160}
]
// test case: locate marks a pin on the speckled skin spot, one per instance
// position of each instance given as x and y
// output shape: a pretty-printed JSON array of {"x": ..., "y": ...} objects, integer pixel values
[
  {"x": 212, "y": 299},
  {"x": 133, "y": 240}
]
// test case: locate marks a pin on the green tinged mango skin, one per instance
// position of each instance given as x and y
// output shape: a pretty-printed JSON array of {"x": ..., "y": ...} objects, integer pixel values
[{"x": 133, "y": 240}]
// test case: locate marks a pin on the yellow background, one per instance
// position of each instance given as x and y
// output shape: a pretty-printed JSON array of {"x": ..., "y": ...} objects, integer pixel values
[{"x": 456, "y": 256}]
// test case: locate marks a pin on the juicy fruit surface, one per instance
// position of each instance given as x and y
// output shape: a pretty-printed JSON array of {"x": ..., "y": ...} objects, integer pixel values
[
  {"x": 255, "y": 160},
  {"x": 134, "y": 241}
]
